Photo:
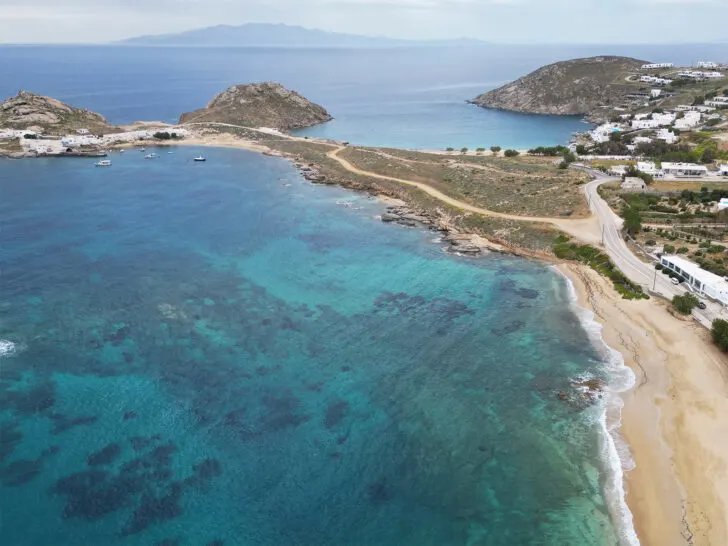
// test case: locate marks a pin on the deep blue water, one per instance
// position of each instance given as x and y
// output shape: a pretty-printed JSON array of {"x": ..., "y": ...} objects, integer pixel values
[
  {"x": 219, "y": 352},
  {"x": 411, "y": 98}
]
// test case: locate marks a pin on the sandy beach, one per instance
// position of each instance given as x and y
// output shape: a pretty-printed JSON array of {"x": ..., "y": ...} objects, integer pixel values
[{"x": 673, "y": 420}]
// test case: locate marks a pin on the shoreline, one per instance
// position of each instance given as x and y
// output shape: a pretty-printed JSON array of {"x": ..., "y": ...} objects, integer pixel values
[
  {"x": 677, "y": 490},
  {"x": 672, "y": 498}
]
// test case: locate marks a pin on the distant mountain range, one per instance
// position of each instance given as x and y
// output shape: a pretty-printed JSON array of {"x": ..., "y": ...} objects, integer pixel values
[{"x": 269, "y": 35}]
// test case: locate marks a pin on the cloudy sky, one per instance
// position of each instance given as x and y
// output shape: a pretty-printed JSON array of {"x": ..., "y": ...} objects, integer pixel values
[{"x": 507, "y": 21}]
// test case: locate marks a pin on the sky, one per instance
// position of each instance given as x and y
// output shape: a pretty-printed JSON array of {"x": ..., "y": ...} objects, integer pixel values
[{"x": 501, "y": 21}]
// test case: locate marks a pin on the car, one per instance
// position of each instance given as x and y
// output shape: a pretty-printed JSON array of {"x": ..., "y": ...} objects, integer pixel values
[
  {"x": 674, "y": 280},
  {"x": 701, "y": 305}
]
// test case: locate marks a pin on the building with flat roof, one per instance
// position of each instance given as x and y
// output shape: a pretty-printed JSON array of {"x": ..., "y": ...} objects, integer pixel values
[
  {"x": 633, "y": 183},
  {"x": 701, "y": 281},
  {"x": 723, "y": 169},
  {"x": 656, "y": 66},
  {"x": 684, "y": 170},
  {"x": 647, "y": 167}
]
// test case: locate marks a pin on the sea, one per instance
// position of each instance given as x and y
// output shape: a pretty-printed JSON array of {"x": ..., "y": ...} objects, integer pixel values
[{"x": 221, "y": 353}]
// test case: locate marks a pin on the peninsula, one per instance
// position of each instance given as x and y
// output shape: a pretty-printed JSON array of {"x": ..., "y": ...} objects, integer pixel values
[{"x": 577, "y": 87}]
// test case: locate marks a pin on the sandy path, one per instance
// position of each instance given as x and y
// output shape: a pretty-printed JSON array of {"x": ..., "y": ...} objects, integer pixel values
[
  {"x": 576, "y": 227},
  {"x": 673, "y": 420}
]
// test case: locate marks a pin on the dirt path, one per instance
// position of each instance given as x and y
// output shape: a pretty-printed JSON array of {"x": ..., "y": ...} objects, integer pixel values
[{"x": 576, "y": 227}]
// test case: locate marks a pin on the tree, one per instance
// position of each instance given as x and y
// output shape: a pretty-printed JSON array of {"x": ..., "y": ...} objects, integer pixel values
[
  {"x": 564, "y": 165},
  {"x": 569, "y": 157},
  {"x": 449, "y": 149},
  {"x": 464, "y": 150},
  {"x": 511, "y": 153},
  {"x": 632, "y": 220},
  {"x": 697, "y": 101},
  {"x": 616, "y": 136},
  {"x": 685, "y": 304},
  {"x": 495, "y": 149},
  {"x": 480, "y": 150},
  {"x": 581, "y": 149},
  {"x": 719, "y": 331},
  {"x": 709, "y": 155}
]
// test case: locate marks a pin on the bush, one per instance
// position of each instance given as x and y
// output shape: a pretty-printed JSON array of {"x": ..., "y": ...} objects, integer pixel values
[
  {"x": 581, "y": 149},
  {"x": 719, "y": 331},
  {"x": 480, "y": 150},
  {"x": 682, "y": 250},
  {"x": 511, "y": 153},
  {"x": 28, "y": 136},
  {"x": 685, "y": 304},
  {"x": 715, "y": 249},
  {"x": 668, "y": 249},
  {"x": 464, "y": 150},
  {"x": 659, "y": 267},
  {"x": 650, "y": 242},
  {"x": 449, "y": 149},
  {"x": 495, "y": 149},
  {"x": 564, "y": 165}
]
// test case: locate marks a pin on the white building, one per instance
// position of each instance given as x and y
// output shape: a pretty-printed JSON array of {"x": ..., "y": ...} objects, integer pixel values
[
  {"x": 647, "y": 167},
  {"x": 690, "y": 120},
  {"x": 723, "y": 204},
  {"x": 701, "y": 281},
  {"x": 657, "y": 66},
  {"x": 618, "y": 170},
  {"x": 723, "y": 169},
  {"x": 664, "y": 119},
  {"x": 641, "y": 140},
  {"x": 633, "y": 183},
  {"x": 82, "y": 131},
  {"x": 655, "y": 93},
  {"x": 603, "y": 132},
  {"x": 645, "y": 124},
  {"x": 684, "y": 170},
  {"x": 699, "y": 75},
  {"x": 707, "y": 64},
  {"x": 655, "y": 80},
  {"x": 667, "y": 135}
]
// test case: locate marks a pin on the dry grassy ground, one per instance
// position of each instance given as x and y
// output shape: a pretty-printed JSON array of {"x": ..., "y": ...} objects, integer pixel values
[{"x": 527, "y": 186}]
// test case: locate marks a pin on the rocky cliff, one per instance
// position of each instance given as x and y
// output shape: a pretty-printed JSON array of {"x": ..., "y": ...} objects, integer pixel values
[
  {"x": 260, "y": 105},
  {"x": 575, "y": 87},
  {"x": 44, "y": 114}
]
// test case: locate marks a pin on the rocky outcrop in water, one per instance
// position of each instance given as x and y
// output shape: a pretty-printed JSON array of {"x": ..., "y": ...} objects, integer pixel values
[
  {"x": 575, "y": 87},
  {"x": 260, "y": 105}
]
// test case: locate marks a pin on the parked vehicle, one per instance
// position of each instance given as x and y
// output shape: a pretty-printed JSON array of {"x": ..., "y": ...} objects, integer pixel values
[
  {"x": 674, "y": 280},
  {"x": 701, "y": 305}
]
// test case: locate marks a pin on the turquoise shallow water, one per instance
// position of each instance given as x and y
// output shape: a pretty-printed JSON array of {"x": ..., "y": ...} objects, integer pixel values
[{"x": 219, "y": 354}]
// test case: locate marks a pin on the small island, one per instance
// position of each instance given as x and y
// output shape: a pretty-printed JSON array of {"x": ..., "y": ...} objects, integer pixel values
[{"x": 266, "y": 104}]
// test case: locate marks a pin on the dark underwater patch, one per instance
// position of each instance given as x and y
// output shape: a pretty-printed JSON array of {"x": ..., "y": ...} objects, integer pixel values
[
  {"x": 21, "y": 472},
  {"x": 105, "y": 456},
  {"x": 61, "y": 423},
  {"x": 335, "y": 413}
]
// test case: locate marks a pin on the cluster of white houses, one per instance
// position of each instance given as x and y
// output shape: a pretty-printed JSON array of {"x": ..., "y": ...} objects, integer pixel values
[{"x": 699, "y": 75}]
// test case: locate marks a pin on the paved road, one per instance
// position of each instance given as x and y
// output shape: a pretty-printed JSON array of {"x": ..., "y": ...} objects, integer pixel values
[{"x": 635, "y": 269}]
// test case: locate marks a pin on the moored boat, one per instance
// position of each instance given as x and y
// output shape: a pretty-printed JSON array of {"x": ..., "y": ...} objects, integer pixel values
[
  {"x": 103, "y": 163},
  {"x": 200, "y": 158}
]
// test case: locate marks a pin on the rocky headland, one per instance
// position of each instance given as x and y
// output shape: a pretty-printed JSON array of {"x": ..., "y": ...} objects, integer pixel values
[
  {"x": 260, "y": 105},
  {"x": 32, "y": 112},
  {"x": 589, "y": 87}
]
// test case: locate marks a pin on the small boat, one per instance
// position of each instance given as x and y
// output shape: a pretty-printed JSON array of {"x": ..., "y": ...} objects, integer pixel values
[
  {"x": 103, "y": 163},
  {"x": 151, "y": 156},
  {"x": 200, "y": 158},
  {"x": 121, "y": 151},
  {"x": 170, "y": 152},
  {"x": 142, "y": 149}
]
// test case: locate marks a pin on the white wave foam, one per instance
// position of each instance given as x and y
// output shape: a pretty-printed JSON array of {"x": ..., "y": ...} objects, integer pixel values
[
  {"x": 6, "y": 347},
  {"x": 614, "y": 450}
]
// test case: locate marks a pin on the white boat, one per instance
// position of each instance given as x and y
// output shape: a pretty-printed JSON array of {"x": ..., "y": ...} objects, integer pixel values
[
  {"x": 200, "y": 158},
  {"x": 142, "y": 149},
  {"x": 103, "y": 163},
  {"x": 121, "y": 151},
  {"x": 170, "y": 152},
  {"x": 151, "y": 156}
]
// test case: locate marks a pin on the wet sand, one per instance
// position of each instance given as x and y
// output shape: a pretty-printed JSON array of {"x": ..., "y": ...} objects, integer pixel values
[{"x": 675, "y": 420}]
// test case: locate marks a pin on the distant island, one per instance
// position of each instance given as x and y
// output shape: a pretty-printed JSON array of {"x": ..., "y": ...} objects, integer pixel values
[
  {"x": 589, "y": 87},
  {"x": 269, "y": 35}
]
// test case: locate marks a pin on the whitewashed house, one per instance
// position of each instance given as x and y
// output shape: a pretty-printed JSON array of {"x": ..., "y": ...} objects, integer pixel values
[
  {"x": 645, "y": 124},
  {"x": 707, "y": 64},
  {"x": 647, "y": 167},
  {"x": 668, "y": 136},
  {"x": 656, "y": 66},
  {"x": 723, "y": 170},
  {"x": 633, "y": 183},
  {"x": 655, "y": 93},
  {"x": 82, "y": 131},
  {"x": 617, "y": 170},
  {"x": 689, "y": 121}
]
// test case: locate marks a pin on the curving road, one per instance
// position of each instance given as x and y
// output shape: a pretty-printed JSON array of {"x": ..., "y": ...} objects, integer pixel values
[{"x": 635, "y": 269}]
